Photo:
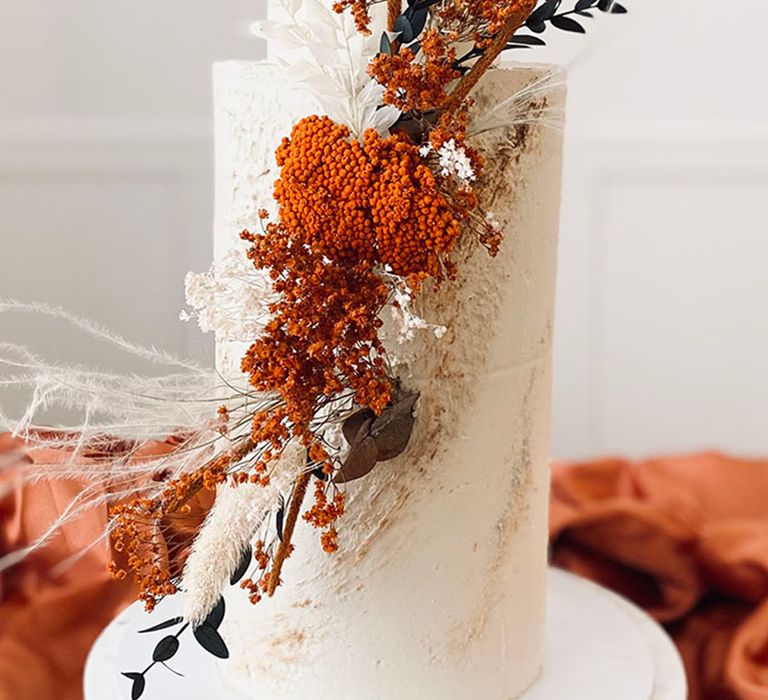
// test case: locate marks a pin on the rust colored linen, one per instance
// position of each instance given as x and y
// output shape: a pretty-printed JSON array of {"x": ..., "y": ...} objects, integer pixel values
[
  {"x": 50, "y": 614},
  {"x": 686, "y": 538}
]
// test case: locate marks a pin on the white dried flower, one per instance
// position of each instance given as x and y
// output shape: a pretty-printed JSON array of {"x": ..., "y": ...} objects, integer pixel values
[
  {"x": 454, "y": 162},
  {"x": 330, "y": 58},
  {"x": 406, "y": 321},
  {"x": 231, "y": 299},
  {"x": 492, "y": 221}
]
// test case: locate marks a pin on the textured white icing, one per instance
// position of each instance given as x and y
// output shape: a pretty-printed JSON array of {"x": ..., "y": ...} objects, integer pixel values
[{"x": 438, "y": 589}]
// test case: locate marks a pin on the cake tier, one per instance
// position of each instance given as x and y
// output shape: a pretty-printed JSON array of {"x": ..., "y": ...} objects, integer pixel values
[{"x": 438, "y": 590}]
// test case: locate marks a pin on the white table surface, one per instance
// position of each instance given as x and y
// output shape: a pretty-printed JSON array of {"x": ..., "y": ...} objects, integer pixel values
[{"x": 600, "y": 647}]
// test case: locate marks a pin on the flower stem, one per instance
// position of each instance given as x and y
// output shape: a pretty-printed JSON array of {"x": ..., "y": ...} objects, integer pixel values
[
  {"x": 521, "y": 12},
  {"x": 284, "y": 550}
]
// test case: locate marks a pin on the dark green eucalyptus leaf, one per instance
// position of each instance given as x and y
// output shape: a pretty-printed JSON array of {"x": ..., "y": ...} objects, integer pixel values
[
  {"x": 527, "y": 39},
  {"x": 163, "y": 625},
  {"x": 166, "y": 648},
  {"x": 216, "y": 615},
  {"x": 604, "y": 5},
  {"x": 403, "y": 26},
  {"x": 585, "y": 5},
  {"x": 618, "y": 9},
  {"x": 418, "y": 19},
  {"x": 567, "y": 24},
  {"x": 415, "y": 47},
  {"x": 245, "y": 562},
  {"x": 541, "y": 14},
  {"x": 318, "y": 473},
  {"x": 139, "y": 683},
  {"x": 137, "y": 689},
  {"x": 584, "y": 13},
  {"x": 385, "y": 45},
  {"x": 279, "y": 518},
  {"x": 211, "y": 641}
]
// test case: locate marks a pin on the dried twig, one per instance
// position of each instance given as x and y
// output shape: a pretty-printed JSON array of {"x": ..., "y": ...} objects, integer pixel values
[
  {"x": 284, "y": 550},
  {"x": 520, "y": 13}
]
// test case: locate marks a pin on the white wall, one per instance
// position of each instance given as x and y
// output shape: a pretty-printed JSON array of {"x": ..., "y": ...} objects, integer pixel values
[{"x": 105, "y": 200}]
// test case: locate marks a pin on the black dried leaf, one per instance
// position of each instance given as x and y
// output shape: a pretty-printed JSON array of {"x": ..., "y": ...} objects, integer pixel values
[
  {"x": 318, "y": 473},
  {"x": 403, "y": 26},
  {"x": 385, "y": 45},
  {"x": 279, "y": 519},
  {"x": 617, "y": 9},
  {"x": 585, "y": 5},
  {"x": 567, "y": 24},
  {"x": 166, "y": 649},
  {"x": 361, "y": 459},
  {"x": 216, "y": 615},
  {"x": 527, "y": 39},
  {"x": 604, "y": 5},
  {"x": 355, "y": 422},
  {"x": 392, "y": 429},
  {"x": 243, "y": 566},
  {"x": 418, "y": 19},
  {"x": 139, "y": 683},
  {"x": 211, "y": 641},
  {"x": 584, "y": 13},
  {"x": 163, "y": 625},
  {"x": 542, "y": 14}
]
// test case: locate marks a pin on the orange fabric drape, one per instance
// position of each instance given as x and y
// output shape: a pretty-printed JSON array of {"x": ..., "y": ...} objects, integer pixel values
[
  {"x": 687, "y": 539},
  {"x": 50, "y": 614}
]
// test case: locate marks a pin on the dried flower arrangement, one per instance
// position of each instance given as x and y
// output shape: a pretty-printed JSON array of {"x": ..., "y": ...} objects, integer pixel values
[{"x": 371, "y": 202}]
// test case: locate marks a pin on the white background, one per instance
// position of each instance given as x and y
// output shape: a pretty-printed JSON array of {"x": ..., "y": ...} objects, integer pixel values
[{"x": 662, "y": 337}]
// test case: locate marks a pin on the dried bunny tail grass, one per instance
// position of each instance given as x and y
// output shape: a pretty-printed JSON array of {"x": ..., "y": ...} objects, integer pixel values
[
  {"x": 237, "y": 513},
  {"x": 527, "y": 106}
]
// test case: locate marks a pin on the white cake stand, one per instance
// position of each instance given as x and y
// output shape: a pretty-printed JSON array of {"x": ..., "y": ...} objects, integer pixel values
[{"x": 601, "y": 647}]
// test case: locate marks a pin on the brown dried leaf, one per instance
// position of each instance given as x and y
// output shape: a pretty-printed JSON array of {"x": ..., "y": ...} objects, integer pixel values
[
  {"x": 361, "y": 459},
  {"x": 392, "y": 429},
  {"x": 352, "y": 425}
]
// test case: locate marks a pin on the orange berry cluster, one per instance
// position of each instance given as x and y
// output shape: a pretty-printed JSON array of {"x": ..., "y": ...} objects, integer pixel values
[
  {"x": 359, "y": 9},
  {"x": 258, "y": 587},
  {"x": 370, "y": 202},
  {"x": 412, "y": 85},
  {"x": 476, "y": 20},
  {"x": 322, "y": 338},
  {"x": 325, "y": 512}
]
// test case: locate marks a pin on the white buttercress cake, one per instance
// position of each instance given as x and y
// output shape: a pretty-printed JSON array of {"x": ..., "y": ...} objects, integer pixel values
[{"x": 438, "y": 588}]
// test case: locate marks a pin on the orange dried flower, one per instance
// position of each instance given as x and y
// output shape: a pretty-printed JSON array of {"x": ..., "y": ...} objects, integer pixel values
[{"x": 417, "y": 86}]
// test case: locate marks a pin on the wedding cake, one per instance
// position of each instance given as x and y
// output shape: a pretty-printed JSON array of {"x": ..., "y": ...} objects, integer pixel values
[{"x": 438, "y": 587}]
